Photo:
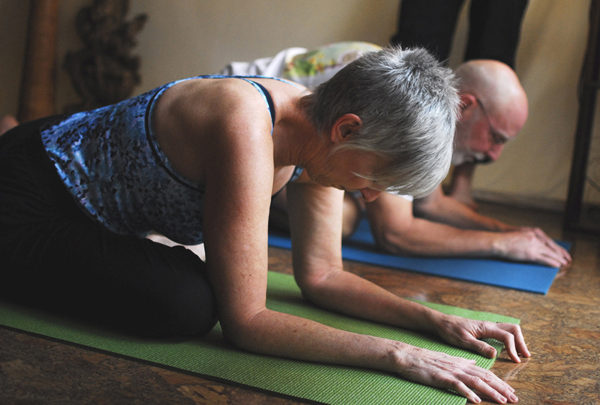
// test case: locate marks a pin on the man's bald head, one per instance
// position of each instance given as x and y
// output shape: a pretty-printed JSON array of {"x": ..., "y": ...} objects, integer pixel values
[
  {"x": 495, "y": 84},
  {"x": 494, "y": 109}
]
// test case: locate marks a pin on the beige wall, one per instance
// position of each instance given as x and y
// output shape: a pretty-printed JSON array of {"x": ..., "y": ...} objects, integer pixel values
[{"x": 188, "y": 37}]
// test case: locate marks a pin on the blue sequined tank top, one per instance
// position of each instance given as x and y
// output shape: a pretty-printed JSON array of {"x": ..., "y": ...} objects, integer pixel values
[{"x": 110, "y": 161}]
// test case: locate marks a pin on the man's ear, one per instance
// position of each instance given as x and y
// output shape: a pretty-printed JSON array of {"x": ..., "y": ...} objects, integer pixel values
[
  {"x": 345, "y": 126},
  {"x": 467, "y": 102}
]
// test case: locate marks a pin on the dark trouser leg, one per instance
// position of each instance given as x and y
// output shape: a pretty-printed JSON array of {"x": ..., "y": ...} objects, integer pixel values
[
  {"x": 429, "y": 24},
  {"x": 55, "y": 257},
  {"x": 494, "y": 29}
]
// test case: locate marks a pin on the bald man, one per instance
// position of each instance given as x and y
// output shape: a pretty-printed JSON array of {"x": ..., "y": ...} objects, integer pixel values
[
  {"x": 493, "y": 84},
  {"x": 494, "y": 109}
]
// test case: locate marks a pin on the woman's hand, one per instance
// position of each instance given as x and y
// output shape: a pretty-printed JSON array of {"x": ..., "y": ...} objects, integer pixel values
[
  {"x": 452, "y": 373},
  {"x": 465, "y": 333}
]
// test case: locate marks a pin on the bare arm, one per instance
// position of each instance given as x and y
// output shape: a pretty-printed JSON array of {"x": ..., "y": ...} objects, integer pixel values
[
  {"x": 318, "y": 270},
  {"x": 316, "y": 233},
  {"x": 509, "y": 242},
  {"x": 398, "y": 231},
  {"x": 443, "y": 209}
]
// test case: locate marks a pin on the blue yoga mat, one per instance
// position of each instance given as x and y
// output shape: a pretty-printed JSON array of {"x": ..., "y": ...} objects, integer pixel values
[{"x": 519, "y": 276}]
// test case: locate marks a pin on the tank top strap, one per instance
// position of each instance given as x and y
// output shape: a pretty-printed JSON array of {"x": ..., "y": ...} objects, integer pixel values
[{"x": 268, "y": 99}]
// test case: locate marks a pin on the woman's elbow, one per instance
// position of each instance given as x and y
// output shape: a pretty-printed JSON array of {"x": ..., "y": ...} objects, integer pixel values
[
  {"x": 238, "y": 334},
  {"x": 312, "y": 287},
  {"x": 243, "y": 330}
]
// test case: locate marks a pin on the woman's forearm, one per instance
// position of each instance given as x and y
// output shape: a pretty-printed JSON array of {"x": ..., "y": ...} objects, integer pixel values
[
  {"x": 351, "y": 294},
  {"x": 284, "y": 335},
  {"x": 274, "y": 333}
]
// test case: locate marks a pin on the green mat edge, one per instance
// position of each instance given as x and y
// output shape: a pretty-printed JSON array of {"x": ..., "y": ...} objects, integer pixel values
[{"x": 169, "y": 353}]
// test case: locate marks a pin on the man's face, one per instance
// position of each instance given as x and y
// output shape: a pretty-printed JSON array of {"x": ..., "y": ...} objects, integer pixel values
[{"x": 481, "y": 136}]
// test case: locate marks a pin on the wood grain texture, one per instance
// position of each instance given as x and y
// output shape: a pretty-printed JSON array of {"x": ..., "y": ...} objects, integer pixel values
[{"x": 562, "y": 330}]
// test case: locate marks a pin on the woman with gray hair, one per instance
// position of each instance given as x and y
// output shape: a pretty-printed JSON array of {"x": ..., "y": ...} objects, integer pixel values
[
  {"x": 393, "y": 94},
  {"x": 198, "y": 160}
]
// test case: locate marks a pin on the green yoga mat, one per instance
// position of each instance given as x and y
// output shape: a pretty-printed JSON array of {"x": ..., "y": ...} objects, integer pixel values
[{"x": 211, "y": 356}]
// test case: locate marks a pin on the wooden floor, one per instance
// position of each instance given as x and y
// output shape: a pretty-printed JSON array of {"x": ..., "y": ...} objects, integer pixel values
[{"x": 562, "y": 330}]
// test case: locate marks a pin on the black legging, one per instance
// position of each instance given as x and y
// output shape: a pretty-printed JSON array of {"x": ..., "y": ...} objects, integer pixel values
[
  {"x": 494, "y": 27},
  {"x": 54, "y": 256}
]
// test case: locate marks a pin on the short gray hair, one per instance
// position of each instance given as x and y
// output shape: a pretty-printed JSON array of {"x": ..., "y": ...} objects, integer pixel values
[{"x": 408, "y": 104}]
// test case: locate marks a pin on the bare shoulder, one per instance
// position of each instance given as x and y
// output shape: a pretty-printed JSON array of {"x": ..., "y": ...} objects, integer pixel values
[
  {"x": 206, "y": 120},
  {"x": 201, "y": 105}
]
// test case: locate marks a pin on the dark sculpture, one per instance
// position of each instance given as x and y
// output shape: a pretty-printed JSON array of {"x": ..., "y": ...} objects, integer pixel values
[{"x": 104, "y": 72}]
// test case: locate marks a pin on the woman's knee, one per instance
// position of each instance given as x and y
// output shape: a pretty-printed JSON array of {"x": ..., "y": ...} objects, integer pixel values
[
  {"x": 186, "y": 305},
  {"x": 191, "y": 310}
]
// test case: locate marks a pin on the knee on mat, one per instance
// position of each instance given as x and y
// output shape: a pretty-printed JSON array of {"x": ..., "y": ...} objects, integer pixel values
[
  {"x": 191, "y": 311},
  {"x": 194, "y": 312},
  {"x": 179, "y": 300}
]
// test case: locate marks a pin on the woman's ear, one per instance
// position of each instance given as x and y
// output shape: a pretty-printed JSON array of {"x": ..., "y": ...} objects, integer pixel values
[{"x": 345, "y": 126}]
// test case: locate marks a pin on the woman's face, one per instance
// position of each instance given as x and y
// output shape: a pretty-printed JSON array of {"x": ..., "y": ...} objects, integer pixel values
[{"x": 339, "y": 170}]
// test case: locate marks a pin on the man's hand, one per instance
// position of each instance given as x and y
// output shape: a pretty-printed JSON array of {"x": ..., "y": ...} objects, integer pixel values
[{"x": 533, "y": 245}]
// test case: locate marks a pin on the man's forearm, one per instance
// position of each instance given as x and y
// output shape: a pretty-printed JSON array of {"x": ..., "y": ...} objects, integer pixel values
[
  {"x": 451, "y": 212},
  {"x": 426, "y": 238}
]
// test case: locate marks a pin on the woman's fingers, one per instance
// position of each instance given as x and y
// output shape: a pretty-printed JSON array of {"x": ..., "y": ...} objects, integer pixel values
[
  {"x": 469, "y": 379},
  {"x": 490, "y": 386},
  {"x": 468, "y": 334},
  {"x": 465, "y": 391},
  {"x": 481, "y": 347},
  {"x": 460, "y": 375},
  {"x": 512, "y": 337},
  {"x": 507, "y": 333},
  {"x": 520, "y": 344},
  {"x": 473, "y": 381}
]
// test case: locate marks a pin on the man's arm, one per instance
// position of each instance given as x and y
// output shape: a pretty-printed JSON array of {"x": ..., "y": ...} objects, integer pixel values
[
  {"x": 398, "y": 231},
  {"x": 440, "y": 208},
  {"x": 460, "y": 186}
]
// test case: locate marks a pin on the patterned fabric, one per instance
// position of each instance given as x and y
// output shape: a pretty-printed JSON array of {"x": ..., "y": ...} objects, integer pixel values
[
  {"x": 307, "y": 67},
  {"x": 110, "y": 161},
  {"x": 317, "y": 66}
]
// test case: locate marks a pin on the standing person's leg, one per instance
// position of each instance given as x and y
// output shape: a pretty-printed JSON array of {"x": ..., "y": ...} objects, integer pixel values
[
  {"x": 495, "y": 29},
  {"x": 494, "y": 32},
  {"x": 429, "y": 24},
  {"x": 54, "y": 256}
]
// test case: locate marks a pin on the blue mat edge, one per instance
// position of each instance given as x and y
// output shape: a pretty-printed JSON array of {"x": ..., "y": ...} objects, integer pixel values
[{"x": 525, "y": 276}]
